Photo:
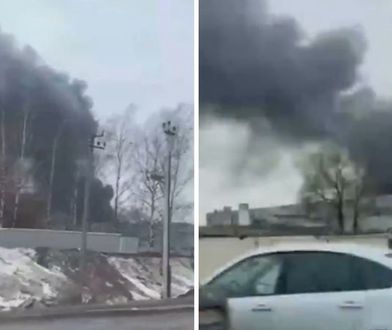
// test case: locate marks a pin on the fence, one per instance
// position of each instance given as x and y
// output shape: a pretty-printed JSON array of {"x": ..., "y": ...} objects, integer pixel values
[{"x": 61, "y": 239}]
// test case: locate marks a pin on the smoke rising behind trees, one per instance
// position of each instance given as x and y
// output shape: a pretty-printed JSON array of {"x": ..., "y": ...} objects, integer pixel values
[
  {"x": 263, "y": 71},
  {"x": 36, "y": 102},
  {"x": 46, "y": 125}
]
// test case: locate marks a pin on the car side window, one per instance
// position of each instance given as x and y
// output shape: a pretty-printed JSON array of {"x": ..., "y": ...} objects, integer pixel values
[
  {"x": 266, "y": 282},
  {"x": 373, "y": 275},
  {"x": 313, "y": 272},
  {"x": 253, "y": 276}
]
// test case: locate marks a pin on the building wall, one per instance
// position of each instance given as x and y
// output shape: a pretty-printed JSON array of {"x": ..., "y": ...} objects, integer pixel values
[
  {"x": 377, "y": 216},
  {"x": 181, "y": 236},
  {"x": 215, "y": 253},
  {"x": 222, "y": 217}
]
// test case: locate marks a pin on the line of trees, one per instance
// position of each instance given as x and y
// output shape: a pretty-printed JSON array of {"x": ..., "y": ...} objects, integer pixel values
[{"x": 134, "y": 160}]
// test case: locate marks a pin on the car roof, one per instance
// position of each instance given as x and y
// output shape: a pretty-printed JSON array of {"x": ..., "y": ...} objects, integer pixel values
[
  {"x": 337, "y": 247},
  {"x": 377, "y": 254}
]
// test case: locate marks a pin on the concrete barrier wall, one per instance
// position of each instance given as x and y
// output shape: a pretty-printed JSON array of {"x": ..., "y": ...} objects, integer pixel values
[
  {"x": 215, "y": 253},
  {"x": 61, "y": 239}
]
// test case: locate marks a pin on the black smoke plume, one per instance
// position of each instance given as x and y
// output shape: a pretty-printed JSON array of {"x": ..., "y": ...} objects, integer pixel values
[
  {"x": 54, "y": 102},
  {"x": 254, "y": 65}
]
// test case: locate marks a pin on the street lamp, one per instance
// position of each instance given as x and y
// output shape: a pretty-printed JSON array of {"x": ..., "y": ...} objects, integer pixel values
[
  {"x": 170, "y": 131},
  {"x": 95, "y": 142},
  {"x": 159, "y": 179}
]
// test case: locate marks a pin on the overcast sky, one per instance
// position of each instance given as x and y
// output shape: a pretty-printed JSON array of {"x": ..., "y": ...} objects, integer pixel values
[
  {"x": 128, "y": 51},
  {"x": 223, "y": 145}
]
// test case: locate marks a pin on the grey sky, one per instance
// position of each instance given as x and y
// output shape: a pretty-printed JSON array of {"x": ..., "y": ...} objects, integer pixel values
[
  {"x": 228, "y": 140},
  {"x": 128, "y": 51}
]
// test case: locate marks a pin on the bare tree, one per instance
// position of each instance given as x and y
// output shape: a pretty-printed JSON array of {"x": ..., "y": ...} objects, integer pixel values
[
  {"x": 53, "y": 158},
  {"x": 182, "y": 163},
  {"x": 16, "y": 175},
  {"x": 361, "y": 195},
  {"x": 134, "y": 162},
  {"x": 74, "y": 199},
  {"x": 331, "y": 177},
  {"x": 149, "y": 161},
  {"x": 147, "y": 189},
  {"x": 3, "y": 134},
  {"x": 3, "y": 174},
  {"x": 115, "y": 164},
  {"x": 20, "y": 177}
]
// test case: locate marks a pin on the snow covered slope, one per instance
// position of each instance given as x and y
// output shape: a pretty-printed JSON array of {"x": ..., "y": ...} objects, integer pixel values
[
  {"x": 143, "y": 275},
  {"x": 22, "y": 279},
  {"x": 110, "y": 280}
]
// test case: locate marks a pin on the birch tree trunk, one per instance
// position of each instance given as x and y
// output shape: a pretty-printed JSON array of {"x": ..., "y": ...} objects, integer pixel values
[
  {"x": 52, "y": 173},
  {"x": 117, "y": 189},
  {"x": 74, "y": 205},
  {"x": 2, "y": 164},
  {"x": 19, "y": 178}
]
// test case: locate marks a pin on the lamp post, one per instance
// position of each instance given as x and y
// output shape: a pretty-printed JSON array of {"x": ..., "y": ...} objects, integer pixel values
[
  {"x": 94, "y": 143},
  {"x": 170, "y": 131}
]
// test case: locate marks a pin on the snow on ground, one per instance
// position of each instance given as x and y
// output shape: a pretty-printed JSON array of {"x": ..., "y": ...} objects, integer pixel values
[
  {"x": 112, "y": 280},
  {"x": 22, "y": 279},
  {"x": 144, "y": 274}
]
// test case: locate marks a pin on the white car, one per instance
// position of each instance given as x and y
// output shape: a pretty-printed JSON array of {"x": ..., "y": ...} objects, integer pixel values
[{"x": 325, "y": 286}]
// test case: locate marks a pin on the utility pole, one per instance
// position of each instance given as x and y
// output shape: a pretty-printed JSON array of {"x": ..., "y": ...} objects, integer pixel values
[
  {"x": 89, "y": 174},
  {"x": 170, "y": 131}
]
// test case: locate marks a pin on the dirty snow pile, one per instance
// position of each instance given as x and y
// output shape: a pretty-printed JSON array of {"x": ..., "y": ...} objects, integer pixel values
[
  {"x": 23, "y": 281},
  {"x": 144, "y": 276},
  {"x": 110, "y": 280}
]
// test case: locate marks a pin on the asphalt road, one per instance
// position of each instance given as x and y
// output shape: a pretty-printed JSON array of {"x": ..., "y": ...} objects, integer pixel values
[{"x": 181, "y": 320}]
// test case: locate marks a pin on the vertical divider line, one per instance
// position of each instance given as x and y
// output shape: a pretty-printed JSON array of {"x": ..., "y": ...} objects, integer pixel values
[{"x": 196, "y": 162}]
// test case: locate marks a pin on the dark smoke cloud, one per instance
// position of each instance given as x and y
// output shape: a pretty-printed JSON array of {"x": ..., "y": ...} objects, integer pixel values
[
  {"x": 54, "y": 100},
  {"x": 254, "y": 66},
  {"x": 370, "y": 142}
]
